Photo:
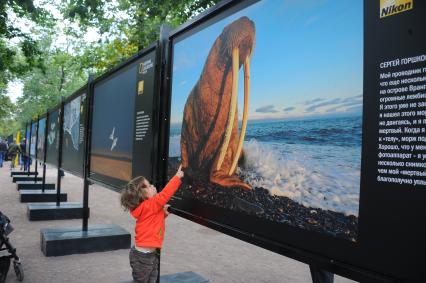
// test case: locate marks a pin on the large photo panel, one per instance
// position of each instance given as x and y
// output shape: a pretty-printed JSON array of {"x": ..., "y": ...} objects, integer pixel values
[
  {"x": 73, "y": 134},
  {"x": 41, "y": 138},
  {"x": 121, "y": 119},
  {"x": 112, "y": 127},
  {"x": 393, "y": 195},
  {"x": 52, "y": 147},
  {"x": 145, "y": 117},
  {"x": 266, "y": 114}
]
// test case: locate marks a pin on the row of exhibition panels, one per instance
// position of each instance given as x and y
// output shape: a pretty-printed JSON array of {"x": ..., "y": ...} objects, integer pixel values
[
  {"x": 61, "y": 137},
  {"x": 118, "y": 126}
]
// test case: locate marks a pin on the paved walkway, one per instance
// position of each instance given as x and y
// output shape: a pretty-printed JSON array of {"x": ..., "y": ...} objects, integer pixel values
[{"x": 187, "y": 247}]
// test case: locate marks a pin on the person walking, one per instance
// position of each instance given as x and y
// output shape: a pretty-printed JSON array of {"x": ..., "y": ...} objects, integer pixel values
[
  {"x": 3, "y": 151},
  {"x": 13, "y": 150},
  {"x": 23, "y": 159}
]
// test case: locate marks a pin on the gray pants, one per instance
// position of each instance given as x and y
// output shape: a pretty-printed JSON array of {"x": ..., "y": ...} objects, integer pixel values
[
  {"x": 320, "y": 275},
  {"x": 144, "y": 266}
]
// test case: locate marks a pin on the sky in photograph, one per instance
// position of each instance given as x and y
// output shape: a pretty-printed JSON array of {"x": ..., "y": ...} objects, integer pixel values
[{"x": 307, "y": 61}]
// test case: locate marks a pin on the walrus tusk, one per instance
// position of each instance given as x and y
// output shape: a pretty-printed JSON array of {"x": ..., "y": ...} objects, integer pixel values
[
  {"x": 245, "y": 115},
  {"x": 233, "y": 107}
]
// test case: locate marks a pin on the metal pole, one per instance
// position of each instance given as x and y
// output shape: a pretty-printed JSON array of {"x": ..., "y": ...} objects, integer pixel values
[
  {"x": 164, "y": 107},
  {"x": 88, "y": 122},
  {"x": 27, "y": 163},
  {"x": 60, "y": 129},
  {"x": 35, "y": 153},
  {"x": 159, "y": 120},
  {"x": 29, "y": 150},
  {"x": 45, "y": 153}
]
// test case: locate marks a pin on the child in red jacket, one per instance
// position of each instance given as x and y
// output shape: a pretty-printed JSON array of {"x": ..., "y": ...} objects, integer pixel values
[{"x": 150, "y": 210}]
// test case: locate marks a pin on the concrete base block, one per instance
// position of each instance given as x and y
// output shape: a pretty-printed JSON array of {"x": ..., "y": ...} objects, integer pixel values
[
  {"x": 38, "y": 196},
  {"x": 98, "y": 238},
  {"x": 28, "y": 185},
  {"x": 22, "y": 173},
  {"x": 181, "y": 277},
  {"x": 49, "y": 211},
  {"x": 26, "y": 178}
]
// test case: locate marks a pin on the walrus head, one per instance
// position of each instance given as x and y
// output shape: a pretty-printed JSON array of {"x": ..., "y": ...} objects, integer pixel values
[
  {"x": 240, "y": 35},
  {"x": 237, "y": 44}
]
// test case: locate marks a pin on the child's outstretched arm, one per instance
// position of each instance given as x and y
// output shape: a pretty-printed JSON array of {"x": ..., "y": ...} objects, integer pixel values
[{"x": 164, "y": 196}]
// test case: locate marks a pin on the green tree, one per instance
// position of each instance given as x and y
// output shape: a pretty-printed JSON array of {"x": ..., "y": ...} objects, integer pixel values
[
  {"x": 43, "y": 89},
  {"x": 7, "y": 109},
  {"x": 18, "y": 50},
  {"x": 127, "y": 25}
]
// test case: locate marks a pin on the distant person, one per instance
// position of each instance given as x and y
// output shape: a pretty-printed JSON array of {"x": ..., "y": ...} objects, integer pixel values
[
  {"x": 150, "y": 211},
  {"x": 13, "y": 150},
  {"x": 24, "y": 157},
  {"x": 3, "y": 151}
]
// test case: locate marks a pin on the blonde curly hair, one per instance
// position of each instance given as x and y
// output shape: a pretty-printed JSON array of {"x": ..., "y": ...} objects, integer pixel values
[{"x": 134, "y": 193}]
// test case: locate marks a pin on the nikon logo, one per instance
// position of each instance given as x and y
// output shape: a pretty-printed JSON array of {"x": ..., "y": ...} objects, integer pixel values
[{"x": 392, "y": 7}]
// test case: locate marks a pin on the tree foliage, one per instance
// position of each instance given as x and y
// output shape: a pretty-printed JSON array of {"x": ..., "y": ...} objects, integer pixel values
[
  {"x": 129, "y": 25},
  {"x": 18, "y": 50},
  {"x": 6, "y": 113},
  {"x": 50, "y": 71},
  {"x": 43, "y": 89},
  {"x": 6, "y": 106}
]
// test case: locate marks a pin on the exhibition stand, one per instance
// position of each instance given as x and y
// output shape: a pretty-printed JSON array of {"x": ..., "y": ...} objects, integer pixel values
[
  {"x": 39, "y": 196},
  {"x": 26, "y": 178},
  {"x": 335, "y": 178},
  {"x": 97, "y": 238},
  {"x": 32, "y": 188},
  {"x": 86, "y": 239},
  {"x": 22, "y": 173},
  {"x": 52, "y": 211},
  {"x": 53, "y": 205},
  {"x": 30, "y": 185}
]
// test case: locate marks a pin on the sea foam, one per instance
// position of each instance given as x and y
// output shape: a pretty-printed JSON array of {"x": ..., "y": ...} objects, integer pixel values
[{"x": 296, "y": 173}]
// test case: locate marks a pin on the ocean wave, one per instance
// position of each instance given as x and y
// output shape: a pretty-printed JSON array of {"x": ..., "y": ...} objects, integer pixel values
[{"x": 296, "y": 175}]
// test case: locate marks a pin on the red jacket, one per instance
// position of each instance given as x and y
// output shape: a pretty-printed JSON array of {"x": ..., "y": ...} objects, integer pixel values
[{"x": 150, "y": 228}]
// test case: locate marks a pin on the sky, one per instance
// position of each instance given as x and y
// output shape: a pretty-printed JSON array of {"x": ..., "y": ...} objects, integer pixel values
[
  {"x": 308, "y": 59},
  {"x": 15, "y": 88}
]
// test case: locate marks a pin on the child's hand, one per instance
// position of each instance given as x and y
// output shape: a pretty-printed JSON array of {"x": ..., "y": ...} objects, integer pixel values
[
  {"x": 179, "y": 172},
  {"x": 165, "y": 209}
]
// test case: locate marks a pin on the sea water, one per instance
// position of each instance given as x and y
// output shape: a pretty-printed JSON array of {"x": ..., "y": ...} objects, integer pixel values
[{"x": 315, "y": 162}]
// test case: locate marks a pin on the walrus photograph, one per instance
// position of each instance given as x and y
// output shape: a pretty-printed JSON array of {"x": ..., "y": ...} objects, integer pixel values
[{"x": 267, "y": 121}]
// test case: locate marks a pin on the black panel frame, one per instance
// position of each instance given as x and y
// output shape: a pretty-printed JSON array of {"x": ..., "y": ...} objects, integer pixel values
[
  {"x": 49, "y": 113},
  {"x": 43, "y": 153},
  {"x": 336, "y": 255},
  {"x": 106, "y": 181},
  {"x": 81, "y": 91},
  {"x": 35, "y": 121}
]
